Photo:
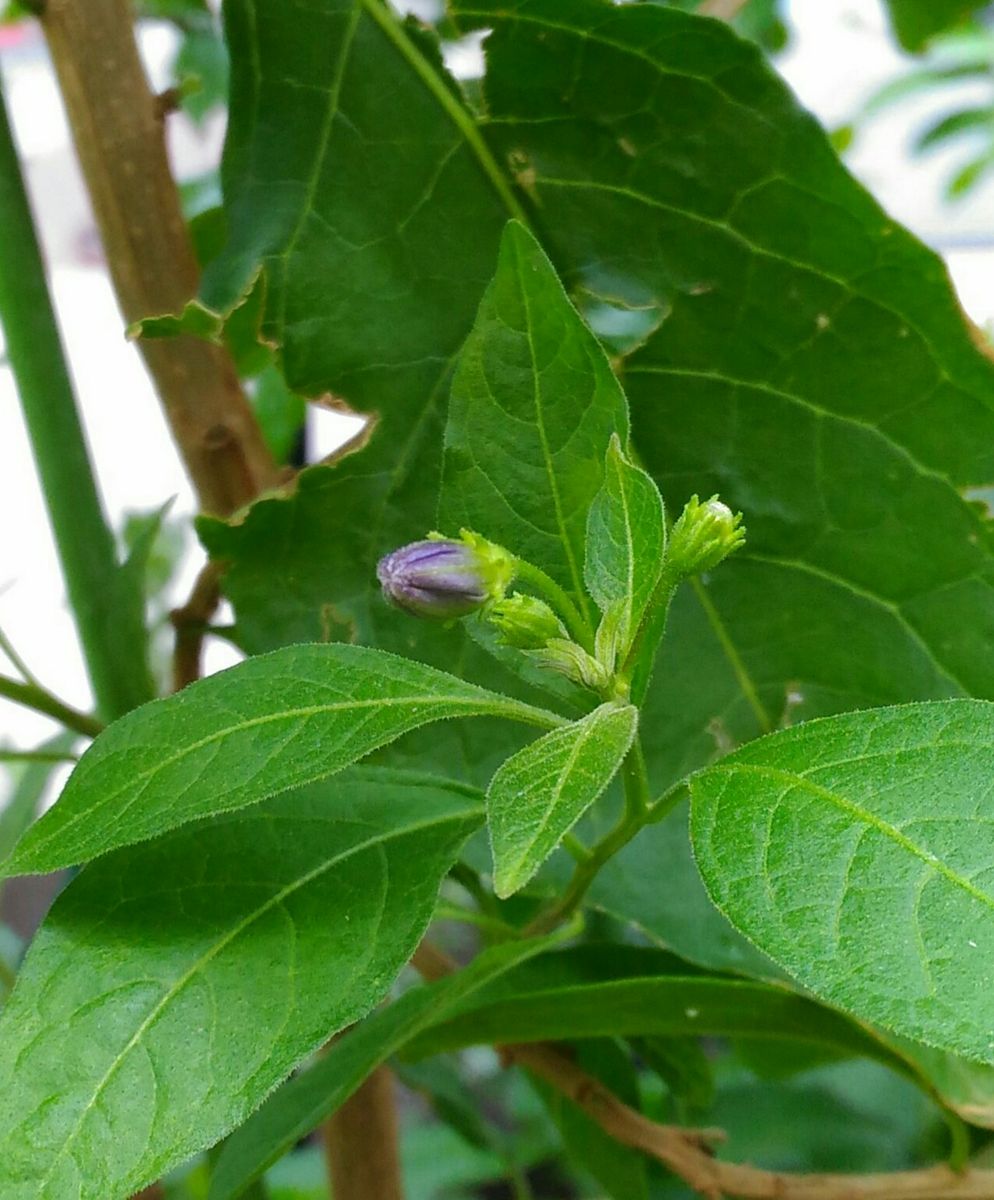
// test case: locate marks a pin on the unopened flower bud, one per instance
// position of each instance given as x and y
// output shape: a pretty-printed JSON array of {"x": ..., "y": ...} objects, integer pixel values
[
  {"x": 574, "y": 662},
  {"x": 443, "y": 578},
  {"x": 703, "y": 536},
  {"x": 525, "y": 622}
]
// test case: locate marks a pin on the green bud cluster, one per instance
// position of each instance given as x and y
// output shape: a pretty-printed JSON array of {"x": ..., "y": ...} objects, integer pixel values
[{"x": 704, "y": 535}]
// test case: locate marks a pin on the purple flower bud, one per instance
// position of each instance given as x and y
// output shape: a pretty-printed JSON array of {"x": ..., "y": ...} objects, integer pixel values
[{"x": 440, "y": 579}]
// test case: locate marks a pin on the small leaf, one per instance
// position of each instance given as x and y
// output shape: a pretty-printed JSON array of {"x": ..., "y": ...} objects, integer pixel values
[
  {"x": 534, "y": 403},
  {"x": 626, "y": 539},
  {"x": 540, "y": 793},
  {"x": 274, "y": 722},
  {"x": 308, "y": 1099},
  {"x": 857, "y": 852},
  {"x": 174, "y": 984}
]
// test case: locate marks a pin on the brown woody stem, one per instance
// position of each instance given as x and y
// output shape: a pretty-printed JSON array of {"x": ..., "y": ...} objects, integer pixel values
[
  {"x": 360, "y": 1143},
  {"x": 117, "y": 125}
]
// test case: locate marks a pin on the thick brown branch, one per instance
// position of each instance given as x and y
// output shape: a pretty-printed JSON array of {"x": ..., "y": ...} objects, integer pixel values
[
  {"x": 361, "y": 1143},
  {"x": 118, "y": 131},
  {"x": 688, "y": 1153}
]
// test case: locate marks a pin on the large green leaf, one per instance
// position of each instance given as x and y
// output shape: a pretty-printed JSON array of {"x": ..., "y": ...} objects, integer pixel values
[
  {"x": 857, "y": 852},
  {"x": 349, "y": 153},
  {"x": 533, "y": 407},
  {"x": 274, "y": 722},
  {"x": 810, "y": 361},
  {"x": 174, "y": 984},
  {"x": 308, "y": 1099},
  {"x": 540, "y": 793}
]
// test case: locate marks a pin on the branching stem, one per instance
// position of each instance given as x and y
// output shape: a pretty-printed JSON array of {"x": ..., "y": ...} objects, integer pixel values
[{"x": 32, "y": 695}]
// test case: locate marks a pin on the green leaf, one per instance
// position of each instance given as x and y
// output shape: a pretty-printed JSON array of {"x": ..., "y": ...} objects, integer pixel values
[
  {"x": 623, "y": 991},
  {"x": 856, "y": 851},
  {"x": 274, "y": 722},
  {"x": 540, "y": 793},
  {"x": 305, "y": 1101},
  {"x": 915, "y": 22},
  {"x": 534, "y": 404},
  {"x": 626, "y": 540},
  {"x": 375, "y": 251},
  {"x": 189, "y": 975}
]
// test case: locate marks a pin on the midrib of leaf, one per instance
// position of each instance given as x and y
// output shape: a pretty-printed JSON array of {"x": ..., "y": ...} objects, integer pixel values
[
  {"x": 861, "y": 814},
  {"x": 376, "y": 841},
  {"x": 630, "y": 543},
  {"x": 334, "y": 92},
  {"x": 737, "y": 235},
  {"x": 739, "y": 669},
  {"x": 510, "y": 708},
  {"x": 557, "y": 791},
  {"x": 888, "y": 606},
  {"x": 579, "y": 591},
  {"x": 758, "y": 385},
  {"x": 463, "y": 122}
]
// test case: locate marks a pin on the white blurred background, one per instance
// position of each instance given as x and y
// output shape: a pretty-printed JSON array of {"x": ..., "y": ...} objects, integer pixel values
[{"x": 840, "y": 52}]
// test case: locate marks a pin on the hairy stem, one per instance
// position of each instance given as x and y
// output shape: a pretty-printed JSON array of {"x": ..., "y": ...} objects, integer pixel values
[
  {"x": 547, "y": 587},
  {"x": 117, "y": 127},
  {"x": 33, "y": 696},
  {"x": 107, "y": 614}
]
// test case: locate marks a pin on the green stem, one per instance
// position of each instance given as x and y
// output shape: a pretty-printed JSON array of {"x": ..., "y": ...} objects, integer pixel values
[
  {"x": 33, "y": 696},
  {"x": 37, "y": 756},
  {"x": 578, "y": 627},
  {"x": 638, "y": 813},
  {"x": 107, "y": 614}
]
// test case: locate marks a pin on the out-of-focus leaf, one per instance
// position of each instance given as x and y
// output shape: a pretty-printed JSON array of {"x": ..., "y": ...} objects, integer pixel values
[{"x": 917, "y": 21}]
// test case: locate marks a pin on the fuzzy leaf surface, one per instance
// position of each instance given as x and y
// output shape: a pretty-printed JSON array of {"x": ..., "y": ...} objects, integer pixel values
[
  {"x": 540, "y": 793},
  {"x": 274, "y": 722},
  {"x": 857, "y": 852},
  {"x": 534, "y": 404},
  {"x": 190, "y": 975},
  {"x": 311, "y": 1097},
  {"x": 626, "y": 540}
]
